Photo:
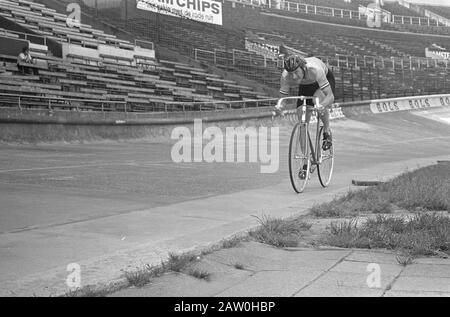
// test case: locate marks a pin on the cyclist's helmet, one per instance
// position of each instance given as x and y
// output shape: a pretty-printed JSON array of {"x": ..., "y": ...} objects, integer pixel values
[{"x": 293, "y": 62}]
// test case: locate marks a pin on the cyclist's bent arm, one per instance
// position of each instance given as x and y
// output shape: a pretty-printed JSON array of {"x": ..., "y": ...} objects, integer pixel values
[
  {"x": 329, "y": 96},
  {"x": 286, "y": 83},
  {"x": 285, "y": 86}
]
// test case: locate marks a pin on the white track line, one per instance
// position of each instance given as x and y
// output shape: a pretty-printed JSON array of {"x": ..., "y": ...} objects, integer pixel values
[{"x": 71, "y": 166}]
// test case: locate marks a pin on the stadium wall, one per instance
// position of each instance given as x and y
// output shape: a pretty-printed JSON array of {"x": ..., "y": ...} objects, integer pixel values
[{"x": 40, "y": 126}]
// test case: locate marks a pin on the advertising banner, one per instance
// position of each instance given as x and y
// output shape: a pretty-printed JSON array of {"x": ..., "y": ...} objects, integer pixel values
[
  {"x": 269, "y": 51},
  {"x": 411, "y": 103},
  {"x": 437, "y": 53},
  {"x": 207, "y": 11},
  {"x": 372, "y": 11}
]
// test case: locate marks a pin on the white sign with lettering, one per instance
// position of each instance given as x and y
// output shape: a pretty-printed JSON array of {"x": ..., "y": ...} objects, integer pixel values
[
  {"x": 207, "y": 11},
  {"x": 411, "y": 103}
]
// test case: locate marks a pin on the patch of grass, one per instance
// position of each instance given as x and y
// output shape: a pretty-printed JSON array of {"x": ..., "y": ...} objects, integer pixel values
[
  {"x": 354, "y": 203},
  {"x": 279, "y": 232},
  {"x": 200, "y": 274},
  {"x": 176, "y": 263},
  {"x": 426, "y": 188},
  {"x": 238, "y": 266},
  {"x": 88, "y": 291},
  {"x": 404, "y": 258},
  {"x": 231, "y": 243},
  {"x": 143, "y": 276},
  {"x": 179, "y": 262},
  {"x": 423, "y": 234}
]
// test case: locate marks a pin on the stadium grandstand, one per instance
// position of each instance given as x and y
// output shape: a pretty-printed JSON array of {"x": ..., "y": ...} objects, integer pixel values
[
  {"x": 442, "y": 11},
  {"x": 83, "y": 63},
  {"x": 124, "y": 58}
]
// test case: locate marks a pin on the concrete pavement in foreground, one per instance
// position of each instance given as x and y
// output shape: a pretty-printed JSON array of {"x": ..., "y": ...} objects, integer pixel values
[
  {"x": 265, "y": 271},
  {"x": 128, "y": 208}
]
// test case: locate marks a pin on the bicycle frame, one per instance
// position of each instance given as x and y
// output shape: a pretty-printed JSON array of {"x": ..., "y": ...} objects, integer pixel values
[{"x": 302, "y": 119}]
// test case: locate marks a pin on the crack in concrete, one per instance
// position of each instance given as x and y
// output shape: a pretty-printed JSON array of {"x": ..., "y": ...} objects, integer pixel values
[
  {"x": 389, "y": 286},
  {"x": 324, "y": 273}
]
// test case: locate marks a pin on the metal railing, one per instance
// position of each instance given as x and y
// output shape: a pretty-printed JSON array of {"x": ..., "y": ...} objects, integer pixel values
[
  {"x": 72, "y": 104},
  {"x": 219, "y": 105},
  {"x": 337, "y": 12},
  {"x": 410, "y": 63},
  {"x": 58, "y": 103},
  {"x": 26, "y": 36},
  {"x": 234, "y": 57}
]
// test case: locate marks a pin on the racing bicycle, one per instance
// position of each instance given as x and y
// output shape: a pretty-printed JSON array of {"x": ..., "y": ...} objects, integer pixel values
[{"x": 304, "y": 155}]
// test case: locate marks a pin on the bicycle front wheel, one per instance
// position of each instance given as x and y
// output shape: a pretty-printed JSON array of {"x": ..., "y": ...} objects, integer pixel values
[
  {"x": 326, "y": 163},
  {"x": 299, "y": 158}
]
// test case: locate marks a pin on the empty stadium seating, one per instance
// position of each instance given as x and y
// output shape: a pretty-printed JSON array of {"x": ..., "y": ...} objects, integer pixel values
[
  {"x": 397, "y": 9},
  {"x": 47, "y": 22},
  {"x": 140, "y": 89},
  {"x": 141, "y": 83},
  {"x": 402, "y": 19},
  {"x": 341, "y": 4},
  {"x": 146, "y": 84},
  {"x": 442, "y": 11}
]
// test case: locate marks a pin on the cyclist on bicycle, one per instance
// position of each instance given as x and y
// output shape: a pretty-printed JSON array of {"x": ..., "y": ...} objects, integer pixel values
[{"x": 313, "y": 79}]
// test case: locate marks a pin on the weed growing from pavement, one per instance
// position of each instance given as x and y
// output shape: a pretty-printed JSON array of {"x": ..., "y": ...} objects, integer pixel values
[
  {"x": 91, "y": 291},
  {"x": 200, "y": 274},
  {"x": 144, "y": 276},
  {"x": 179, "y": 262},
  {"x": 231, "y": 243},
  {"x": 279, "y": 232},
  {"x": 426, "y": 188},
  {"x": 238, "y": 266},
  {"x": 422, "y": 234},
  {"x": 404, "y": 258},
  {"x": 183, "y": 264}
]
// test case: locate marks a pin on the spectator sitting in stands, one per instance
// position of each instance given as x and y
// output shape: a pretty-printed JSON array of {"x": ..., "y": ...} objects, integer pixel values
[{"x": 23, "y": 59}]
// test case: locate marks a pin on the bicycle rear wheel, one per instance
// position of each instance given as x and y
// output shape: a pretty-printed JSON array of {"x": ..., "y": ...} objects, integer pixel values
[
  {"x": 299, "y": 158},
  {"x": 326, "y": 165}
]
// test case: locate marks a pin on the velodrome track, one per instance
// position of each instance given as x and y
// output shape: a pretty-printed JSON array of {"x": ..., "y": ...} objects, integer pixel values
[{"x": 120, "y": 205}]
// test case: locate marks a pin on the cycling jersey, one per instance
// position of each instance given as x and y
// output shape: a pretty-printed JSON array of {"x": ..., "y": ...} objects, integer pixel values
[{"x": 316, "y": 72}]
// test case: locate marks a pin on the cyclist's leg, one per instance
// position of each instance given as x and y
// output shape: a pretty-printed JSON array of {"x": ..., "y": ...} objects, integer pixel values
[
  {"x": 308, "y": 91},
  {"x": 332, "y": 81},
  {"x": 325, "y": 118},
  {"x": 323, "y": 115},
  {"x": 305, "y": 90}
]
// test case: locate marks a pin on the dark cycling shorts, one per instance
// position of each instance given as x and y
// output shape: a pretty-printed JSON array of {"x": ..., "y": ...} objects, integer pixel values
[{"x": 310, "y": 89}]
